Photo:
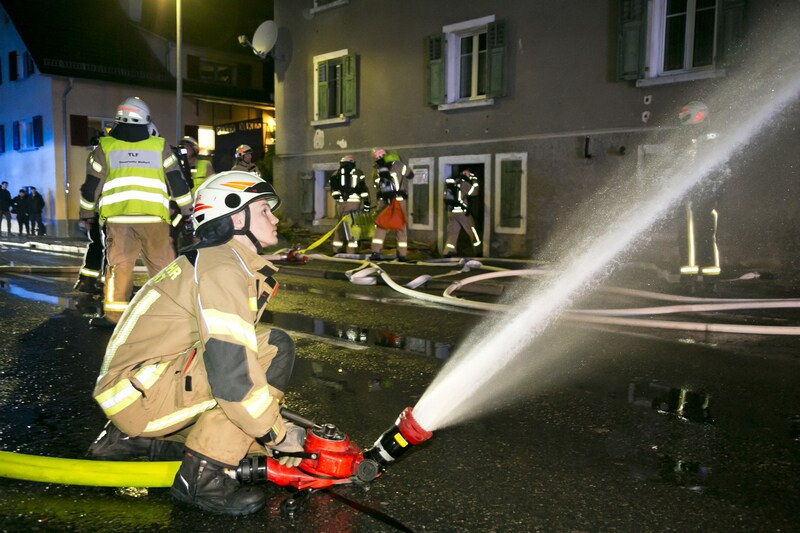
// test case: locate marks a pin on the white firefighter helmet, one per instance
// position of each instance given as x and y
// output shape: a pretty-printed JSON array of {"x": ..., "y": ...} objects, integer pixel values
[
  {"x": 241, "y": 150},
  {"x": 692, "y": 113},
  {"x": 133, "y": 111},
  {"x": 191, "y": 141},
  {"x": 229, "y": 192},
  {"x": 378, "y": 153}
]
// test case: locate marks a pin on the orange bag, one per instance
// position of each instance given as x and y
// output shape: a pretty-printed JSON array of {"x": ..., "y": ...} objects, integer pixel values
[{"x": 392, "y": 217}]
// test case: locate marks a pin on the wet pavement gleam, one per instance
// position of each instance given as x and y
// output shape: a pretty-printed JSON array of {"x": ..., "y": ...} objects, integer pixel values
[{"x": 629, "y": 431}]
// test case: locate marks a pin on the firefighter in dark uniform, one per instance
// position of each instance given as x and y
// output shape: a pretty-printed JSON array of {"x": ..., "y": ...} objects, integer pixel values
[
  {"x": 390, "y": 176},
  {"x": 90, "y": 273},
  {"x": 456, "y": 193},
  {"x": 349, "y": 190},
  {"x": 697, "y": 236},
  {"x": 191, "y": 359},
  {"x": 130, "y": 179}
]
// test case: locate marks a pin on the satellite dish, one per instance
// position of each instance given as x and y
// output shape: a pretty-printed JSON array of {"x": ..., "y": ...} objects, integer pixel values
[{"x": 264, "y": 38}]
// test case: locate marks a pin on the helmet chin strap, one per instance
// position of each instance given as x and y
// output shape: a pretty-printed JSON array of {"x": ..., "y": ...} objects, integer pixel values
[{"x": 245, "y": 230}]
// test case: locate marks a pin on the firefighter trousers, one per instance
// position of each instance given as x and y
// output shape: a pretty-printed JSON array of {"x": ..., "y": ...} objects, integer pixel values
[
  {"x": 123, "y": 243},
  {"x": 457, "y": 222}
]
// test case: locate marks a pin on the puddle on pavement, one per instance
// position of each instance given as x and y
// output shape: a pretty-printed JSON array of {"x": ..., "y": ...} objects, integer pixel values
[
  {"x": 359, "y": 336},
  {"x": 16, "y": 290},
  {"x": 356, "y": 336},
  {"x": 683, "y": 403},
  {"x": 692, "y": 475}
]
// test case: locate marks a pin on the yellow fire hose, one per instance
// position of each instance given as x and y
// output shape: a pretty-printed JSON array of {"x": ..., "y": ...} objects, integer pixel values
[{"x": 88, "y": 472}]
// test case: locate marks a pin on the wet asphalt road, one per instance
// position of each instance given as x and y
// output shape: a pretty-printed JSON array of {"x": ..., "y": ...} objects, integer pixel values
[{"x": 594, "y": 442}]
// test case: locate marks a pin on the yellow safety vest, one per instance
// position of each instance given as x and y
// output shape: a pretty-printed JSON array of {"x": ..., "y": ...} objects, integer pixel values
[{"x": 135, "y": 182}]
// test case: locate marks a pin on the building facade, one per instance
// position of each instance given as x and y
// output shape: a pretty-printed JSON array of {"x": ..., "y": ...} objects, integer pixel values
[
  {"x": 548, "y": 103},
  {"x": 63, "y": 73}
]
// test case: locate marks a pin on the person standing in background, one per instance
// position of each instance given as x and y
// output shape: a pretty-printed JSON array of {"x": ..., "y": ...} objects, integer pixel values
[
  {"x": 21, "y": 206},
  {"x": 244, "y": 160},
  {"x": 5, "y": 206},
  {"x": 37, "y": 208},
  {"x": 130, "y": 179}
]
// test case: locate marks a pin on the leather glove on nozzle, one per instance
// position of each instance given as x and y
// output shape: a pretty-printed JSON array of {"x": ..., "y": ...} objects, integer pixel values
[{"x": 292, "y": 443}]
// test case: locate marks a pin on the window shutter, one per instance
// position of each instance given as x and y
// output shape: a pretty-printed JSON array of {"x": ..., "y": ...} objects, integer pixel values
[
  {"x": 731, "y": 26},
  {"x": 13, "y": 66},
  {"x": 78, "y": 130},
  {"x": 631, "y": 39},
  {"x": 28, "y": 66},
  {"x": 322, "y": 90},
  {"x": 434, "y": 49},
  {"x": 496, "y": 59},
  {"x": 15, "y": 135},
  {"x": 38, "y": 131},
  {"x": 349, "y": 86}
]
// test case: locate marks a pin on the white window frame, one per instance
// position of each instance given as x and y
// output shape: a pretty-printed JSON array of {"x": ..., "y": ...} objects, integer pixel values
[
  {"x": 656, "y": 36},
  {"x": 452, "y": 38},
  {"x": 498, "y": 160},
  {"x": 315, "y": 84},
  {"x": 26, "y": 142},
  {"x": 413, "y": 163}
]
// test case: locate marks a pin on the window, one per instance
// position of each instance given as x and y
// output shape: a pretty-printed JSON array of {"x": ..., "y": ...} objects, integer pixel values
[
  {"x": 28, "y": 134},
  {"x": 2, "y": 138},
  {"x": 13, "y": 66},
  {"x": 511, "y": 193},
  {"x": 662, "y": 41},
  {"x": 20, "y": 66},
  {"x": 688, "y": 34},
  {"x": 466, "y": 63},
  {"x": 209, "y": 71},
  {"x": 335, "y": 83}
]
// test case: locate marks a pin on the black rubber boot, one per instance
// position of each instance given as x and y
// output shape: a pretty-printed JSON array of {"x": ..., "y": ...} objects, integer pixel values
[
  {"x": 204, "y": 483},
  {"x": 114, "y": 445}
]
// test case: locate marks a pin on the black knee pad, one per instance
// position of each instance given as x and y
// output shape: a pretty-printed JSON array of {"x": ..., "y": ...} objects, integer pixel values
[{"x": 280, "y": 370}]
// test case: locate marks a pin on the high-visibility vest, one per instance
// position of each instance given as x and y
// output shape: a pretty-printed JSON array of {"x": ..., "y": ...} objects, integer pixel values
[
  {"x": 135, "y": 182},
  {"x": 199, "y": 173}
]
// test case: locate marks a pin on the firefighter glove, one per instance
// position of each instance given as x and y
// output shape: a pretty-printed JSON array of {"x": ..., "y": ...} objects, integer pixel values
[{"x": 292, "y": 443}]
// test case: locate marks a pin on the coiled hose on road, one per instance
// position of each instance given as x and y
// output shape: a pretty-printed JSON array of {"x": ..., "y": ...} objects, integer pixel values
[{"x": 367, "y": 272}]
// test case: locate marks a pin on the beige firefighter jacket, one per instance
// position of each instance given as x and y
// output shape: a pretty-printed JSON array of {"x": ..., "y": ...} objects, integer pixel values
[{"x": 211, "y": 307}]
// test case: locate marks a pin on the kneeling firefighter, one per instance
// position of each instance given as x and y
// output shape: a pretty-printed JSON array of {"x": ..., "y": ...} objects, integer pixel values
[{"x": 191, "y": 366}]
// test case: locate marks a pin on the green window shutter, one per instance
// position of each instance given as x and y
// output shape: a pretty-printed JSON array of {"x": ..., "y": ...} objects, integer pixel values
[
  {"x": 349, "y": 86},
  {"x": 322, "y": 91},
  {"x": 631, "y": 39},
  {"x": 434, "y": 50},
  {"x": 731, "y": 28},
  {"x": 496, "y": 59}
]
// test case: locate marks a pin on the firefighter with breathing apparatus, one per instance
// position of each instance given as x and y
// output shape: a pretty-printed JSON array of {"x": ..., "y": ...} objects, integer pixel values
[
  {"x": 349, "y": 190},
  {"x": 190, "y": 363}
]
